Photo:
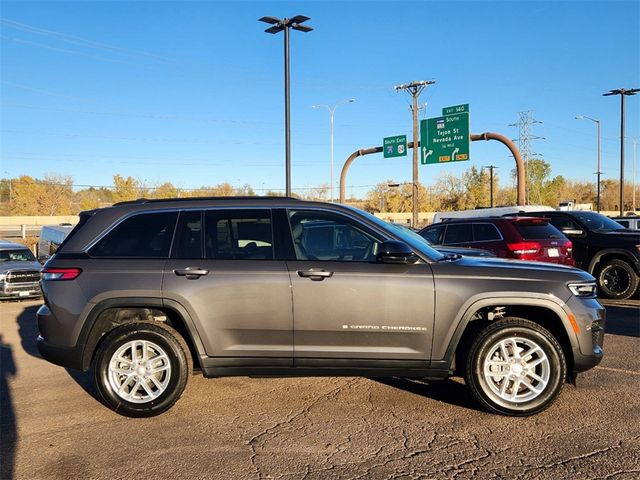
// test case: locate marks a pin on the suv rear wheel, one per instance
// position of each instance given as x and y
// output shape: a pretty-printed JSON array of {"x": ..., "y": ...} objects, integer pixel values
[
  {"x": 515, "y": 367},
  {"x": 617, "y": 279},
  {"x": 141, "y": 369}
]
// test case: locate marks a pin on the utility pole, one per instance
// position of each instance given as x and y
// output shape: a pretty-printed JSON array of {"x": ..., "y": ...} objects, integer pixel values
[
  {"x": 414, "y": 89},
  {"x": 524, "y": 124},
  {"x": 279, "y": 25},
  {"x": 635, "y": 147},
  {"x": 491, "y": 169},
  {"x": 623, "y": 93}
]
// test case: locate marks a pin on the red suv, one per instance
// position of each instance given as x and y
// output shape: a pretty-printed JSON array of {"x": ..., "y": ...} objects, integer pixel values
[{"x": 523, "y": 238}]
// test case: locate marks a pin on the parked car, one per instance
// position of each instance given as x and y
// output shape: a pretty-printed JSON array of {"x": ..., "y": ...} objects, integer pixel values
[
  {"x": 632, "y": 222},
  {"x": 602, "y": 247},
  {"x": 51, "y": 237},
  {"x": 19, "y": 272},
  {"x": 489, "y": 212},
  {"x": 522, "y": 238},
  {"x": 146, "y": 290},
  {"x": 472, "y": 252}
]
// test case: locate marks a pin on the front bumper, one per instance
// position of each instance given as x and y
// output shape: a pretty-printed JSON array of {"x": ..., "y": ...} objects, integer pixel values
[
  {"x": 590, "y": 318},
  {"x": 20, "y": 290}
]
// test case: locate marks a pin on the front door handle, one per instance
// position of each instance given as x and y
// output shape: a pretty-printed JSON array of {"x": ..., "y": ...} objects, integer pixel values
[
  {"x": 190, "y": 272},
  {"x": 315, "y": 275}
]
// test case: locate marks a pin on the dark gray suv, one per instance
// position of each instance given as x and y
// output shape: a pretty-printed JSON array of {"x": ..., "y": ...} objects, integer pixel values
[{"x": 145, "y": 291}]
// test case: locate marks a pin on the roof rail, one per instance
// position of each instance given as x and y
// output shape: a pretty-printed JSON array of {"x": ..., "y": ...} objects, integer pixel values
[{"x": 194, "y": 199}]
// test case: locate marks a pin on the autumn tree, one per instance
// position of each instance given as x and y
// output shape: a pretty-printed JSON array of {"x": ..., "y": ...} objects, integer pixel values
[{"x": 50, "y": 196}]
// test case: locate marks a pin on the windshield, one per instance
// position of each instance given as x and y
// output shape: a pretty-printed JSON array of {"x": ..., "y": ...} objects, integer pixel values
[
  {"x": 20, "y": 255},
  {"x": 408, "y": 236},
  {"x": 597, "y": 221}
]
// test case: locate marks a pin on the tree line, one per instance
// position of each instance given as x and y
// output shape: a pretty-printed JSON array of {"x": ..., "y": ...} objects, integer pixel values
[{"x": 56, "y": 195}]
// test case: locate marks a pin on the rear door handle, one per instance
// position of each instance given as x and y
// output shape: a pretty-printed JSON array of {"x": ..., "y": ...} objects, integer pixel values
[
  {"x": 315, "y": 275},
  {"x": 191, "y": 272}
]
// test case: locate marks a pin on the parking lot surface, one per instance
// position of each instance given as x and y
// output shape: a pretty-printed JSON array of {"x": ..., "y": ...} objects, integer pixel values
[{"x": 53, "y": 426}]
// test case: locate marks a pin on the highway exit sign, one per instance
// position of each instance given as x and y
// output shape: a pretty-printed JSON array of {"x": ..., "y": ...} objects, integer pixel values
[
  {"x": 395, "y": 146},
  {"x": 455, "y": 109},
  {"x": 446, "y": 138}
]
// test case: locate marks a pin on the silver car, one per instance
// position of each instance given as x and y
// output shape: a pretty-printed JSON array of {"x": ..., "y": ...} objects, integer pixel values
[
  {"x": 145, "y": 291},
  {"x": 19, "y": 272}
]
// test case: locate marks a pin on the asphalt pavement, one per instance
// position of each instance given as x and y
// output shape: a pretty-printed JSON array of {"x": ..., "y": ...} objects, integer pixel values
[{"x": 54, "y": 427}]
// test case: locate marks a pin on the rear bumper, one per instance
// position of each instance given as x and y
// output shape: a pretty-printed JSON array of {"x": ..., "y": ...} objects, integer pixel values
[
  {"x": 65, "y": 356},
  {"x": 68, "y": 357}
]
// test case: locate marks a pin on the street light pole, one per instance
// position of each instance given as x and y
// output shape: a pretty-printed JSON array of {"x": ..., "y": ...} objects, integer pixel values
[
  {"x": 332, "y": 111},
  {"x": 635, "y": 147},
  {"x": 598, "y": 172},
  {"x": 279, "y": 25},
  {"x": 623, "y": 93},
  {"x": 491, "y": 169}
]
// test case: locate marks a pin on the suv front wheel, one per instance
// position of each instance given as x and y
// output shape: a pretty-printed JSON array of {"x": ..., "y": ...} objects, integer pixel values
[
  {"x": 141, "y": 369},
  {"x": 515, "y": 367}
]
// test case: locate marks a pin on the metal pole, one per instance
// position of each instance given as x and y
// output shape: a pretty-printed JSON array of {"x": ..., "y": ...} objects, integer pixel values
[
  {"x": 414, "y": 222},
  {"x": 287, "y": 115},
  {"x": 598, "y": 171},
  {"x": 622, "y": 154},
  {"x": 635, "y": 145},
  {"x": 333, "y": 110},
  {"x": 491, "y": 185}
]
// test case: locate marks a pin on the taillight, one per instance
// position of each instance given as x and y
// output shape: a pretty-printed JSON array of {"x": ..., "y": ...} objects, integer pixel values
[
  {"x": 524, "y": 248},
  {"x": 569, "y": 247},
  {"x": 60, "y": 273}
]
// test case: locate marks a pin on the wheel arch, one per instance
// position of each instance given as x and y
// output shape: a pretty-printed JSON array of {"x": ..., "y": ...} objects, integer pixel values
[
  {"x": 611, "y": 254},
  {"x": 111, "y": 313},
  {"x": 544, "y": 312}
]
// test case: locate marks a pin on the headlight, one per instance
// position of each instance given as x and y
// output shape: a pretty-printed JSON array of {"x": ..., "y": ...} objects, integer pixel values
[
  {"x": 583, "y": 289},
  {"x": 3, "y": 276}
]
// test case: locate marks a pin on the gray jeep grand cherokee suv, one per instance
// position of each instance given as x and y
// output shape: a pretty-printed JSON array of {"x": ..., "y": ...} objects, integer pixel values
[{"x": 145, "y": 291}]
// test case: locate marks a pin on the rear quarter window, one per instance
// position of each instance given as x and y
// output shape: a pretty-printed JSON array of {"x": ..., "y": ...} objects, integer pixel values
[{"x": 146, "y": 235}]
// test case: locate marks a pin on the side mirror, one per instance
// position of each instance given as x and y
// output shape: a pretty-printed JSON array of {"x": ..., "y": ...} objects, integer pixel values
[
  {"x": 572, "y": 231},
  {"x": 393, "y": 251}
]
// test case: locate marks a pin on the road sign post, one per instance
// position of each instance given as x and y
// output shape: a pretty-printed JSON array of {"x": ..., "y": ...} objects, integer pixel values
[
  {"x": 395, "y": 146},
  {"x": 445, "y": 139}
]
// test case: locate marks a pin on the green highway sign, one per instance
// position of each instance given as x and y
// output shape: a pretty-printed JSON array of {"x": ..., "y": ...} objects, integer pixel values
[
  {"x": 455, "y": 109},
  {"x": 445, "y": 139},
  {"x": 395, "y": 146}
]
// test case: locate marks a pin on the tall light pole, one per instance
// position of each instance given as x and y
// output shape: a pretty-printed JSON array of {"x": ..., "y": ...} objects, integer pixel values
[
  {"x": 332, "y": 111},
  {"x": 635, "y": 159},
  {"x": 279, "y": 25},
  {"x": 414, "y": 89},
  {"x": 598, "y": 172},
  {"x": 623, "y": 93}
]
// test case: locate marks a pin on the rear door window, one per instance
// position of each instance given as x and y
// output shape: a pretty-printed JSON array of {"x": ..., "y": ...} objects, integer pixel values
[
  {"x": 188, "y": 242},
  {"x": 146, "y": 235},
  {"x": 458, "y": 233},
  {"x": 485, "y": 232},
  {"x": 238, "y": 235}
]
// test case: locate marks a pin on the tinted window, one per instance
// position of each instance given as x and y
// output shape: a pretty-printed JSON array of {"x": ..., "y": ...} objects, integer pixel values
[
  {"x": 597, "y": 221},
  {"x": 485, "y": 232},
  {"x": 188, "y": 243},
  {"x": 460, "y": 233},
  {"x": 542, "y": 231},
  {"x": 564, "y": 223},
  {"x": 18, "y": 255},
  {"x": 238, "y": 235},
  {"x": 624, "y": 223},
  {"x": 147, "y": 235},
  {"x": 326, "y": 236},
  {"x": 433, "y": 235}
]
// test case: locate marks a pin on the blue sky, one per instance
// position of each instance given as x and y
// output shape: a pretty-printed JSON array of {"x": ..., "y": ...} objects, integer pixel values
[{"x": 192, "y": 92}]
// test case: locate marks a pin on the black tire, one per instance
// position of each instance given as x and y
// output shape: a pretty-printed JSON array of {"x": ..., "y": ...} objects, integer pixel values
[
  {"x": 481, "y": 349},
  {"x": 617, "y": 279},
  {"x": 174, "y": 379}
]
